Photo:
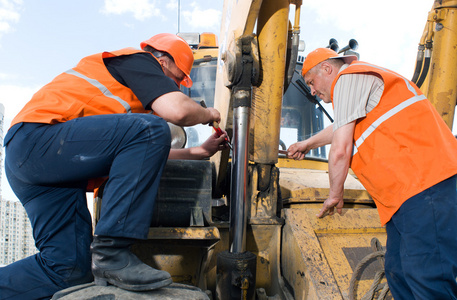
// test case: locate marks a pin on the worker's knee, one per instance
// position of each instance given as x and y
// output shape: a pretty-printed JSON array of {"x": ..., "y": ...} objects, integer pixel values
[
  {"x": 69, "y": 272},
  {"x": 152, "y": 128}
]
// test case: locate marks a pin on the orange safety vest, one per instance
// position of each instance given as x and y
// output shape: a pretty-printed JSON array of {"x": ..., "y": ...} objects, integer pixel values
[
  {"x": 86, "y": 90},
  {"x": 402, "y": 147}
]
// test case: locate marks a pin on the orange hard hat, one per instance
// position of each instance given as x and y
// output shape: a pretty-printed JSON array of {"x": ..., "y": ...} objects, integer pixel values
[
  {"x": 321, "y": 54},
  {"x": 177, "y": 48}
]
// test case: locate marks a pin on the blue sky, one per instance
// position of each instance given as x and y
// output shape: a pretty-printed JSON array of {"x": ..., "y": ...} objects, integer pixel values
[{"x": 39, "y": 39}]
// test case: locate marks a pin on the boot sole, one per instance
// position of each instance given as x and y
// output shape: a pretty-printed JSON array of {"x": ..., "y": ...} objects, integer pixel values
[{"x": 133, "y": 287}]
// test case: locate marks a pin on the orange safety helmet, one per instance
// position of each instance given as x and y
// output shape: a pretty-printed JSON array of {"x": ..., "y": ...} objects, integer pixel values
[
  {"x": 321, "y": 54},
  {"x": 177, "y": 48}
]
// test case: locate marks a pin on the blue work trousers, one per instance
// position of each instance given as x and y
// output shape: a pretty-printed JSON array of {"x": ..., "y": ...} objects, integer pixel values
[
  {"x": 48, "y": 168},
  {"x": 421, "y": 257}
]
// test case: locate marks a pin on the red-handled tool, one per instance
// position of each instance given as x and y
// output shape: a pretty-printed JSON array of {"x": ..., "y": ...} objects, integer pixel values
[{"x": 215, "y": 125}]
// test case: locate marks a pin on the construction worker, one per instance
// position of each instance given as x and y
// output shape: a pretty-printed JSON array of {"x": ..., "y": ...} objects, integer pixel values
[
  {"x": 404, "y": 154},
  {"x": 94, "y": 121}
]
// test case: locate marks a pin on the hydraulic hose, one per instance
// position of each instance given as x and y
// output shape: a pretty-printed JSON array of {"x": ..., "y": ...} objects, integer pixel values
[
  {"x": 294, "y": 47},
  {"x": 426, "y": 68},
  {"x": 419, "y": 62}
]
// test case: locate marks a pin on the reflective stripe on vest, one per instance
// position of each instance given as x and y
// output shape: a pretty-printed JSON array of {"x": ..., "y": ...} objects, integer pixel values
[
  {"x": 388, "y": 114},
  {"x": 101, "y": 87},
  {"x": 385, "y": 117}
]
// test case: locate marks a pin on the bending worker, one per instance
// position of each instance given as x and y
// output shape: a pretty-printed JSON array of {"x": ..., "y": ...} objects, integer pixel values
[
  {"x": 94, "y": 121},
  {"x": 405, "y": 156}
]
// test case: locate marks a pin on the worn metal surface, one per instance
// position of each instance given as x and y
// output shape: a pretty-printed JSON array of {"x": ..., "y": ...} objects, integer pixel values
[
  {"x": 318, "y": 255},
  {"x": 314, "y": 164},
  {"x": 307, "y": 185},
  {"x": 263, "y": 192},
  {"x": 208, "y": 234},
  {"x": 272, "y": 30}
]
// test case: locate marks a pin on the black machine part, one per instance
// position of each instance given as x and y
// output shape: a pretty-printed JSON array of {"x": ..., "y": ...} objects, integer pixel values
[{"x": 236, "y": 275}]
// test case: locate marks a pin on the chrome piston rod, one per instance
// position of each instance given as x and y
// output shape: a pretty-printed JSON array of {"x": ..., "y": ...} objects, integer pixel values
[{"x": 238, "y": 208}]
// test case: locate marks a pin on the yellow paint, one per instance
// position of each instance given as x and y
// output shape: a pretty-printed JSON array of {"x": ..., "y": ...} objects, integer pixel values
[
  {"x": 272, "y": 30},
  {"x": 441, "y": 86}
]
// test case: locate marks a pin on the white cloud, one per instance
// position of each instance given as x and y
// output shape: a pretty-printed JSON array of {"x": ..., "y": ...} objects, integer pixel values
[
  {"x": 388, "y": 33},
  {"x": 172, "y": 5},
  {"x": 141, "y": 9},
  {"x": 9, "y": 14},
  {"x": 202, "y": 18}
]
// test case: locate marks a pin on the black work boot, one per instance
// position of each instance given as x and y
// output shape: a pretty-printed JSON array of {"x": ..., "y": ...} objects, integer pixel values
[{"x": 112, "y": 262}]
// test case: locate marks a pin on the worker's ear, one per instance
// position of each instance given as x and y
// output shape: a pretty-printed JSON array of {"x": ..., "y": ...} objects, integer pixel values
[
  {"x": 163, "y": 62},
  {"x": 327, "y": 68}
]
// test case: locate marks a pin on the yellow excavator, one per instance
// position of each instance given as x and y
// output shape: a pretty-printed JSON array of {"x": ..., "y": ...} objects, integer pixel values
[{"x": 243, "y": 224}]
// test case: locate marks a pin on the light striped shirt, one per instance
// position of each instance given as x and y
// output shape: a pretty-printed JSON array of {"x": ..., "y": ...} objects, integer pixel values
[{"x": 355, "y": 95}]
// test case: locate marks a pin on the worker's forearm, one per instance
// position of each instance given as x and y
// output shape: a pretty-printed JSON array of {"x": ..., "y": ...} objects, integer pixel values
[
  {"x": 187, "y": 112},
  {"x": 190, "y": 113},
  {"x": 322, "y": 138},
  {"x": 177, "y": 108},
  {"x": 339, "y": 159},
  {"x": 298, "y": 150},
  {"x": 338, "y": 166},
  {"x": 194, "y": 153}
]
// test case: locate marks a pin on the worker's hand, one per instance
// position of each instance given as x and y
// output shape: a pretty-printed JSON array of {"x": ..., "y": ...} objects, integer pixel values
[
  {"x": 329, "y": 206},
  {"x": 298, "y": 150},
  {"x": 214, "y": 143},
  {"x": 214, "y": 116}
]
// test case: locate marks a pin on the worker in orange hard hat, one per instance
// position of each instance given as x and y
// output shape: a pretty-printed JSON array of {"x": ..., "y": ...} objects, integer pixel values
[
  {"x": 177, "y": 49},
  {"x": 403, "y": 153},
  {"x": 95, "y": 121}
]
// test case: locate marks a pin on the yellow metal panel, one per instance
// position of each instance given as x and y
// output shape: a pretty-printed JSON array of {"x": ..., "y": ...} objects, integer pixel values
[
  {"x": 272, "y": 31},
  {"x": 302, "y": 164},
  {"x": 264, "y": 242},
  {"x": 199, "y": 54},
  {"x": 319, "y": 255},
  {"x": 305, "y": 185},
  {"x": 184, "y": 233},
  {"x": 303, "y": 263}
]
